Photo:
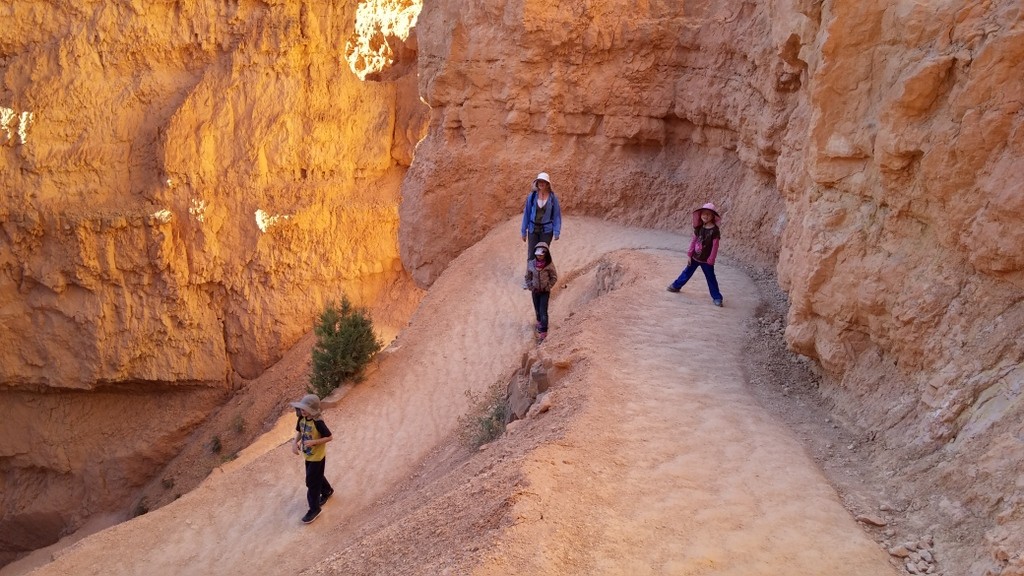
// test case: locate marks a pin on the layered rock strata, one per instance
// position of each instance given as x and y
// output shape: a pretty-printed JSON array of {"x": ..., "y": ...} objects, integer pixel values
[{"x": 903, "y": 254}]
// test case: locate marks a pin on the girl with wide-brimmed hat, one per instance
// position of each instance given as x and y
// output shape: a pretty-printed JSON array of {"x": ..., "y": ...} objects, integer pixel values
[{"x": 703, "y": 251}]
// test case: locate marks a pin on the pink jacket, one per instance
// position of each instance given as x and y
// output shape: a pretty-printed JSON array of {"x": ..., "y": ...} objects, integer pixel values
[{"x": 704, "y": 245}]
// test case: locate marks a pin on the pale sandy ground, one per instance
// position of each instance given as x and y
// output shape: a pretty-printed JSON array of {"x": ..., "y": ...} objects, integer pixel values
[{"x": 655, "y": 458}]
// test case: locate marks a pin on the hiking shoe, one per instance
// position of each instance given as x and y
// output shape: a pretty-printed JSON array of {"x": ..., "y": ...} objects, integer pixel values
[
  {"x": 536, "y": 327},
  {"x": 672, "y": 288},
  {"x": 718, "y": 302},
  {"x": 325, "y": 497},
  {"x": 541, "y": 336},
  {"x": 310, "y": 516}
]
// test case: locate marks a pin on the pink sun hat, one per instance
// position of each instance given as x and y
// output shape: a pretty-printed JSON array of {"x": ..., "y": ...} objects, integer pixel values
[{"x": 709, "y": 206}]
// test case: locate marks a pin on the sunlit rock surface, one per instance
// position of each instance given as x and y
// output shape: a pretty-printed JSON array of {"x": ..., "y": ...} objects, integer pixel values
[{"x": 183, "y": 186}]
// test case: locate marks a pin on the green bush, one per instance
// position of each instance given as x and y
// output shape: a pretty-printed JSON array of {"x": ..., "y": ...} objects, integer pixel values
[{"x": 345, "y": 344}]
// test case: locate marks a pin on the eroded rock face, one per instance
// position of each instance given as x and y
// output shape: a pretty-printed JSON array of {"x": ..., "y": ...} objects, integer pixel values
[
  {"x": 903, "y": 253},
  {"x": 638, "y": 112},
  {"x": 184, "y": 185}
]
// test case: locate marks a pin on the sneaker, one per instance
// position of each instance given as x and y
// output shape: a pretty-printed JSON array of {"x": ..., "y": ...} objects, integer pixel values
[
  {"x": 718, "y": 302},
  {"x": 536, "y": 327},
  {"x": 310, "y": 516},
  {"x": 672, "y": 288},
  {"x": 325, "y": 497}
]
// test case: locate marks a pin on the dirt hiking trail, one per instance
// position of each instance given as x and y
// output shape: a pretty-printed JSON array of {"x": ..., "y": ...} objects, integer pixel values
[{"x": 653, "y": 458}]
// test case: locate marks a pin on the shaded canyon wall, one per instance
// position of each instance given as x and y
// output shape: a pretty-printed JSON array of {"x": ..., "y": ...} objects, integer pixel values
[
  {"x": 638, "y": 111},
  {"x": 904, "y": 253}
]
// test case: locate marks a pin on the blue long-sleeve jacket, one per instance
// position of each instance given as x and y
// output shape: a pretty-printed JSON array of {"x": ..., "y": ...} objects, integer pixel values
[{"x": 552, "y": 224}]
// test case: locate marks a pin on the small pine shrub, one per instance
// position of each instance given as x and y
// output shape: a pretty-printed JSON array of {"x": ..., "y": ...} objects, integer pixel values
[{"x": 345, "y": 344}]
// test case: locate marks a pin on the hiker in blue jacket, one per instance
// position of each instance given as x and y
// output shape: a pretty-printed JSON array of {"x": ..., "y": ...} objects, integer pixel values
[{"x": 542, "y": 217}]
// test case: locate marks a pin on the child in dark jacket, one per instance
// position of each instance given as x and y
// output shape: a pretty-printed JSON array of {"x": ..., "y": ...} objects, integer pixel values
[
  {"x": 703, "y": 250},
  {"x": 540, "y": 279}
]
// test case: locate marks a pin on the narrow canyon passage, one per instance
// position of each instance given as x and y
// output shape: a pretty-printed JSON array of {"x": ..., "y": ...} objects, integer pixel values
[
  {"x": 667, "y": 467},
  {"x": 671, "y": 466}
]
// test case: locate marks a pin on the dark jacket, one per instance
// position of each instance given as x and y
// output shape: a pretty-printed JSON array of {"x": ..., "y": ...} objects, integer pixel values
[{"x": 542, "y": 280}]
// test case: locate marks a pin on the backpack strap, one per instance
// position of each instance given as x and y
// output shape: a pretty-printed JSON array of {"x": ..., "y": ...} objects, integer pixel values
[{"x": 532, "y": 201}]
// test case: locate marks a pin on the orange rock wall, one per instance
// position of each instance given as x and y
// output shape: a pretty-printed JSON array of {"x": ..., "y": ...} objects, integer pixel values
[
  {"x": 195, "y": 182},
  {"x": 904, "y": 250},
  {"x": 639, "y": 112},
  {"x": 182, "y": 186}
]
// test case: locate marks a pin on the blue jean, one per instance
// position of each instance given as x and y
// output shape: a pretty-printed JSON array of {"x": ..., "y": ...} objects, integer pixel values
[
  {"x": 709, "y": 274},
  {"x": 540, "y": 306},
  {"x": 534, "y": 237}
]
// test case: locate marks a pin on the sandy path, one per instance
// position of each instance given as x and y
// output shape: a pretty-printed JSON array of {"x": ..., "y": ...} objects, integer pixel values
[
  {"x": 693, "y": 477},
  {"x": 671, "y": 467}
]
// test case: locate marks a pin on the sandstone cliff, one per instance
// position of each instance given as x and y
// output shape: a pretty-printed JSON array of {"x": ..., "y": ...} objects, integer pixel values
[
  {"x": 185, "y": 183},
  {"x": 638, "y": 113},
  {"x": 902, "y": 256}
]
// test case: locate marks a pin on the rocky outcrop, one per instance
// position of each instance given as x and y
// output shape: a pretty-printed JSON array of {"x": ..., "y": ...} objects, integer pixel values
[
  {"x": 902, "y": 256},
  {"x": 183, "y": 186}
]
